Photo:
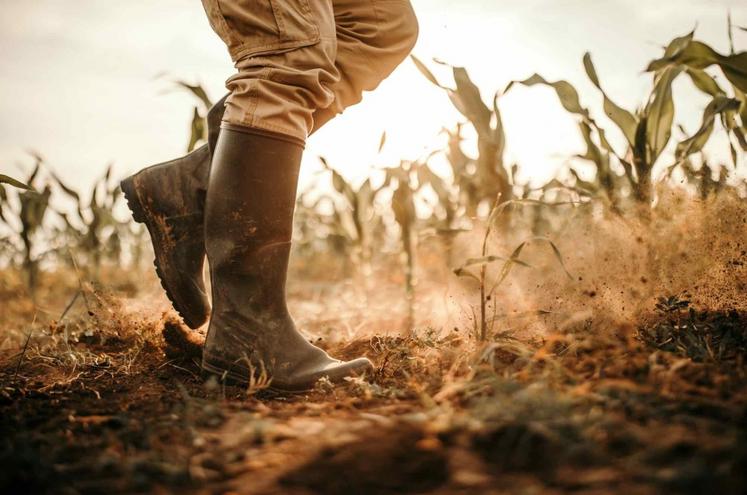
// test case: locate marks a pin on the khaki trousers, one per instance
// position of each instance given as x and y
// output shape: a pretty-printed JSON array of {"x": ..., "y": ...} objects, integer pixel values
[{"x": 301, "y": 62}]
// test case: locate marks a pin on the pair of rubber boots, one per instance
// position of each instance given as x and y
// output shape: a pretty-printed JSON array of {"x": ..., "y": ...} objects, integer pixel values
[{"x": 243, "y": 221}]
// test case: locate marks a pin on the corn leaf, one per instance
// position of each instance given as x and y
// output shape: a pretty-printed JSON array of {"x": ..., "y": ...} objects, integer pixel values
[
  {"x": 586, "y": 186},
  {"x": 623, "y": 119},
  {"x": 3, "y": 200},
  {"x": 198, "y": 91},
  {"x": 463, "y": 272},
  {"x": 198, "y": 130},
  {"x": 697, "y": 141},
  {"x": 557, "y": 254},
  {"x": 567, "y": 94},
  {"x": 34, "y": 173},
  {"x": 4, "y": 179},
  {"x": 340, "y": 184},
  {"x": 425, "y": 71},
  {"x": 704, "y": 82},
  {"x": 508, "y": 265},
  {"x": 678, "y": 44},
  {"x": 472, "y": 105},
  {"x": 740, "y": 95},
  {"x": 698, "y": 55},
  {"x": 486, "y": 260},
  {"x": 593, "y": 153},
  {"x": 499, "y": 134},
  {"x": 660, "y": 113}
]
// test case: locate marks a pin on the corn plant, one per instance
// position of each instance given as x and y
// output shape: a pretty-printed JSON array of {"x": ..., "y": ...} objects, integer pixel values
[
  {"x": 28, "y": 218},
  {"x": 402, "y": 180},
  {"x": 692, "y": 57},
  {"x": 447, "y": 210},
  {"x": 92, "y": 225},
  {"x": 648, "y": 131},
  {"x": 487, "y": 293},
  {"x": 7, "y": 244},
  {"x": 488, "y": 176},
  {"x": 354, "y": 216}
]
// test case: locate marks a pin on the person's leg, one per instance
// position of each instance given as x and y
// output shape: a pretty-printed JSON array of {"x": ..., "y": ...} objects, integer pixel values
[
  {"x": 373, "y": 37},
  {"x": 248, "y": 227},
  {"x": 169, "y": 198},
  {"x": 285, "y": 60}
]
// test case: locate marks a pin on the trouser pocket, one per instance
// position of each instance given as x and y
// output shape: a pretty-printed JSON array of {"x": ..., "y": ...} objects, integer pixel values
[{"x": 260, "y": 27}]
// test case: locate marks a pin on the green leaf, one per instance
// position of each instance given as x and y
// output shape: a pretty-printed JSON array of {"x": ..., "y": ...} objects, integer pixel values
[
  {"x": 660, "y": 113},
  {"x": 733, "y": 152},
  {"x": 704, "y": 82},
  {"x": 198, "y": 130},
  {"x": 35, "y": 172},
  {"x": 593, "y": 153},
  {"x": 623, "y": 119},
  {"x": 567, "y": 94},
  {"x": 678, "y": 44},
  {"x": 4, "y": 179},
  {"x": 698, "y": 55},
  {"x": 697, "y": 141}
]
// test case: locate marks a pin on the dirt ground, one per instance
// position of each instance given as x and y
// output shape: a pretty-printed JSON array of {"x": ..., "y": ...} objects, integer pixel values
[{"x": 109, "y": 398}]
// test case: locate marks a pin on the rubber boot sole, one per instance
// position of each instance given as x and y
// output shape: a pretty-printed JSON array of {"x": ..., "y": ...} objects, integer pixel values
[
  {"x": 232, "y": 378},
  {"x": 140, "y": 215},
  {"x": 233, "y": 374}
]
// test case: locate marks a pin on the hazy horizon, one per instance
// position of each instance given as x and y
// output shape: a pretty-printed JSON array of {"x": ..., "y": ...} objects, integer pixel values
[{"x": 81, "y": 81}]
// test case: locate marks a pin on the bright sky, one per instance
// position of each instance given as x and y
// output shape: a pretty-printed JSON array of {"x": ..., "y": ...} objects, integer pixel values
[{"x": 79, "y": 78}]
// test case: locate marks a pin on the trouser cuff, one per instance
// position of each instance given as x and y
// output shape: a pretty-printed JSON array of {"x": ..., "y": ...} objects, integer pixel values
[{"x": 258, "y": 131}]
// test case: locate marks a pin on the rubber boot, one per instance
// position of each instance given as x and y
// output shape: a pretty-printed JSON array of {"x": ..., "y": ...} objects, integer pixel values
[
  {"x": 169, "y": 198},
  {"x": 248, "y": 227}
]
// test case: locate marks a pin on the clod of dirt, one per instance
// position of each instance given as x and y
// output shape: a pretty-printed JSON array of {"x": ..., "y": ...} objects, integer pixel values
[
  {"x": 392, "y": 461},
  {"x": 181, "y": 342}
]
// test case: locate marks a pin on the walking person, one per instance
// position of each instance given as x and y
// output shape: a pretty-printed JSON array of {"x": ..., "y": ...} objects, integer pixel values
[{"x": 299, "y": 63}]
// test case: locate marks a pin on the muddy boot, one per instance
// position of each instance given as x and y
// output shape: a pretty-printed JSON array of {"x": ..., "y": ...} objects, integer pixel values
[
  {"x": 169, "y": 198},
  {"x": 248, "y": 227}
]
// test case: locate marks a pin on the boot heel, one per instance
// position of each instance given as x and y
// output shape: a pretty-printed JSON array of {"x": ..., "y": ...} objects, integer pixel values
[{"x": 133, "y": 199}]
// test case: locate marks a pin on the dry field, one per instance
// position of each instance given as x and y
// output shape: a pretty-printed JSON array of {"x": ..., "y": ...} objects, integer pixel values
[{"x": 627, "y": 378}]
